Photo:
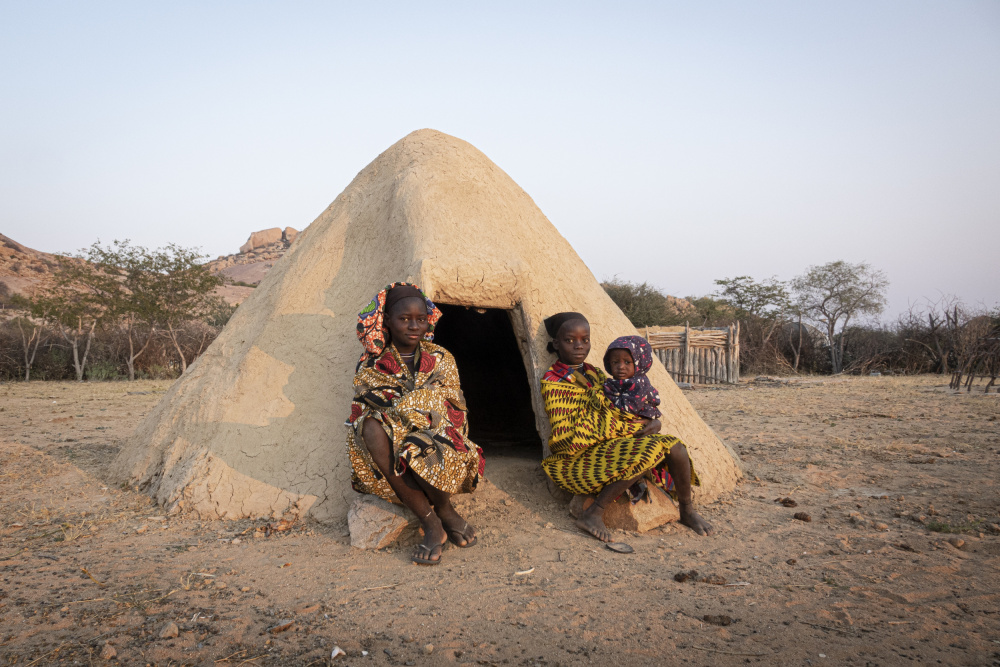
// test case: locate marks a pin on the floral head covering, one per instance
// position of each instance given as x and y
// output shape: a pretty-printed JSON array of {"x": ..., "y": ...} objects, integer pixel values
[
  {"x": 635, "y": 394},
  {"x": 372, "y": 331}
]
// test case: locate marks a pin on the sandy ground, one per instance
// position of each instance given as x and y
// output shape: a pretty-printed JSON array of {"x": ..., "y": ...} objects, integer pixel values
[{"x": 888, "y": 469}]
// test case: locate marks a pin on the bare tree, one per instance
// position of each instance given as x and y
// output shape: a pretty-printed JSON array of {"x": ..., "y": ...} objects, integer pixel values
[
  {"x": 976, "y": 338},
  {"x": 926, "y": 325},
  {"x": 32, "y": 330},
  {"x": 837, "y": 292}
]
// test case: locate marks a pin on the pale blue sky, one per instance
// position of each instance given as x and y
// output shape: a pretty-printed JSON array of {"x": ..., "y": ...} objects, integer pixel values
[{"x": 673, "y": 143}]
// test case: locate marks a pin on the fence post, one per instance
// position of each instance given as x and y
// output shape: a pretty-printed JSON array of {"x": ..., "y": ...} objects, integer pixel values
[
  {"x": 686, "y": 353},
  {"x": 736, "y": 353}
]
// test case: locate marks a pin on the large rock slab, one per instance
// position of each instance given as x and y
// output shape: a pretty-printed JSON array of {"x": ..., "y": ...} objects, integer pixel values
[
  {"x": 375, "y": 523},
  {"x": 262, "y": 238},
  {"x": 638, "y": 518}
]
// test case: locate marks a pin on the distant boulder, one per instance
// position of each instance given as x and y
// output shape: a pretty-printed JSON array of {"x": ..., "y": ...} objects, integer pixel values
[
  {"x": 262, "y": 238},
  {"x": 289, "y": 234}
]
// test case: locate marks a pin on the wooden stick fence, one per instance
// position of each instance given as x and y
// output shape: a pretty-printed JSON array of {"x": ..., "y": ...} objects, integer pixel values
[{"x": 704, "y": 355}]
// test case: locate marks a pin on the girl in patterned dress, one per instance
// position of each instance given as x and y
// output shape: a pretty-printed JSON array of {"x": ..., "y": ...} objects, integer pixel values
[
  {"x": 598, "y": 449},
  {"x": 408, "y": 430}
]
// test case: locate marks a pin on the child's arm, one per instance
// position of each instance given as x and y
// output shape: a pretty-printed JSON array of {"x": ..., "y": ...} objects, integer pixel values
[{"x": 652, "y": 426}]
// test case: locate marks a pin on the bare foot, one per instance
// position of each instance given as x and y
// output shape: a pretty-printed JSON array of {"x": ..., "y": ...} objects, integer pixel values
[
  {"x": 435, "y": 537},
  {"x": 694, "y": 521},
  {"x": 593, "y": 523},
  {"x": 458, "y": 529}
]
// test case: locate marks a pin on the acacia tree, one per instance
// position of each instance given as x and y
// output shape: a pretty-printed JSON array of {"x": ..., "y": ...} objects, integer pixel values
[
  {"x": 131, "y": 288},
  {"x": 835, "y": 293},
  {"x": 74, "y": 306},
  {"x": 184, "y": 290},
  {"x": 767, "y": 299},
  {"x": 761, "y": 307}
]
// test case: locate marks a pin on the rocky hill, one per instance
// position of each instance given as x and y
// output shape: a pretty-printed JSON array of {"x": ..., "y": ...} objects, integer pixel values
[
  {"x": 22, "y": 269},
  {"x": 25, "y": 271},
  {"x": 244, "y": 270}
]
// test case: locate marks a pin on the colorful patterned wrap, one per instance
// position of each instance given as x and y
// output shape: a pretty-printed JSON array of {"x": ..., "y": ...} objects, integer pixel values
[
  {"x": 594, "y": 443},
  {"x": 372, "y": 331},
  {"x": 424, "y": 416},
  {"x": 636, "y": 394}
]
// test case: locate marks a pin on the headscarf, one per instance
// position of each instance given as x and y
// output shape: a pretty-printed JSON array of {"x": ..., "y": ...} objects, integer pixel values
[
  {"x": 372, "y": 331},
  {"x": 555, "y": 322},
  {"x": 635, "y": 394}
]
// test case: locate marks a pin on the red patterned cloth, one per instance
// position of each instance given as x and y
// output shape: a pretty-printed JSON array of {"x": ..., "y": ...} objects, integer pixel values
[{"x": 560, "y": 372}]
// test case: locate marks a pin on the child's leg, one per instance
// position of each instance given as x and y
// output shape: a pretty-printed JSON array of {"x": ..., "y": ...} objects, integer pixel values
[
  {"x": 406, "y": 488},
  {"x": 592, "y": 519},
  {"x": 679, "y": 466}
]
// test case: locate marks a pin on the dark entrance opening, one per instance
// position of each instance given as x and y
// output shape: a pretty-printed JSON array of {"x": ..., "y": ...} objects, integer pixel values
[{"x": 494, "y": 380}]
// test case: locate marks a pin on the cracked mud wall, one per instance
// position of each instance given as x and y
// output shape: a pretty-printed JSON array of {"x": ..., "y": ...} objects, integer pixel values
[{"x": 255, "y": 427}]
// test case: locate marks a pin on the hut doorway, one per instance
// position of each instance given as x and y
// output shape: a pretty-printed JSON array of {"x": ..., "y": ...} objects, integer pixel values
[{"x": 494, "y": 380}]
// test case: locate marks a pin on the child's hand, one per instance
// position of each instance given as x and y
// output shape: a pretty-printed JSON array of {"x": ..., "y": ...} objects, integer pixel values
[{"x": 651, "y": 427}]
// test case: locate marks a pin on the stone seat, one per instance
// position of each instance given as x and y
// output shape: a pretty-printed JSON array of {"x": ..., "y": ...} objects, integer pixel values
[{"x": 638, "y": 518}]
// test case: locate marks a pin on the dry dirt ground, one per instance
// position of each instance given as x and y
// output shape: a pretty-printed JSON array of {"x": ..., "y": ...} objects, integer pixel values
[{"x": 888, "y": 469}]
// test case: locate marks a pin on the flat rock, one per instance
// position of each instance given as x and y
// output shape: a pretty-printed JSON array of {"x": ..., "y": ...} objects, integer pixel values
[
  {"x": 375, "y": 523},
  {"x": 623, "y": 515},
  {"x": 169, "y": 631}
]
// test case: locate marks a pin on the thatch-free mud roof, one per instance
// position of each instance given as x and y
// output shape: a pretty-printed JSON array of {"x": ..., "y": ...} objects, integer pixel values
[{"x": 255, "y": 426}]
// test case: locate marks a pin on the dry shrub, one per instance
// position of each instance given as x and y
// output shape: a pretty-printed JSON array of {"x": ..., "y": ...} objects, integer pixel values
[{"x": 108, "y": 356}]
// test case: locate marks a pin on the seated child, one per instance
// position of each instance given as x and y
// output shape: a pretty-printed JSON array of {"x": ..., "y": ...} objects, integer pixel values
[
  {"x": 627, "y": 361},
  {"x": 598, "y": 448}
]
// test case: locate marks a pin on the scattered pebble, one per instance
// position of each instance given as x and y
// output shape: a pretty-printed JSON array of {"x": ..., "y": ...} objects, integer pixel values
[
  {"x": 281, "y": 627},
  {"x": 308, "y": 609},
  {"x": 508, "y": 502},
  {"x": 428, "y": 649},
  {"x": 219, "y": 585},
  {"x": 802, "y": 516},
  {"x": 681, "y": 577},
  {"x": 337, "y": 652},
  {"x": 245, "y": 589},
  {"x": 722, "y": 620},
  {"x": 787, "y": 502},
  {"x": 956, "y": 542},
  {"x": 236, "y": 540},
  {"x": 140, "y": 530},
  {"x": 881, "y": 526},
  {"x": 169, "y": 631},
  {"x": 791, "y": 561},
  {"x": 108, "y": 652}
]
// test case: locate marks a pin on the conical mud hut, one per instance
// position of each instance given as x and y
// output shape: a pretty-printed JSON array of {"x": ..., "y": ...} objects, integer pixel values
[{"x": 255, "y": 427}]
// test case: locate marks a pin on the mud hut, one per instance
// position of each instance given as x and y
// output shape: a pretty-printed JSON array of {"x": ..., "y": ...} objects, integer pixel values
[{"x": 255, "y": 427}]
